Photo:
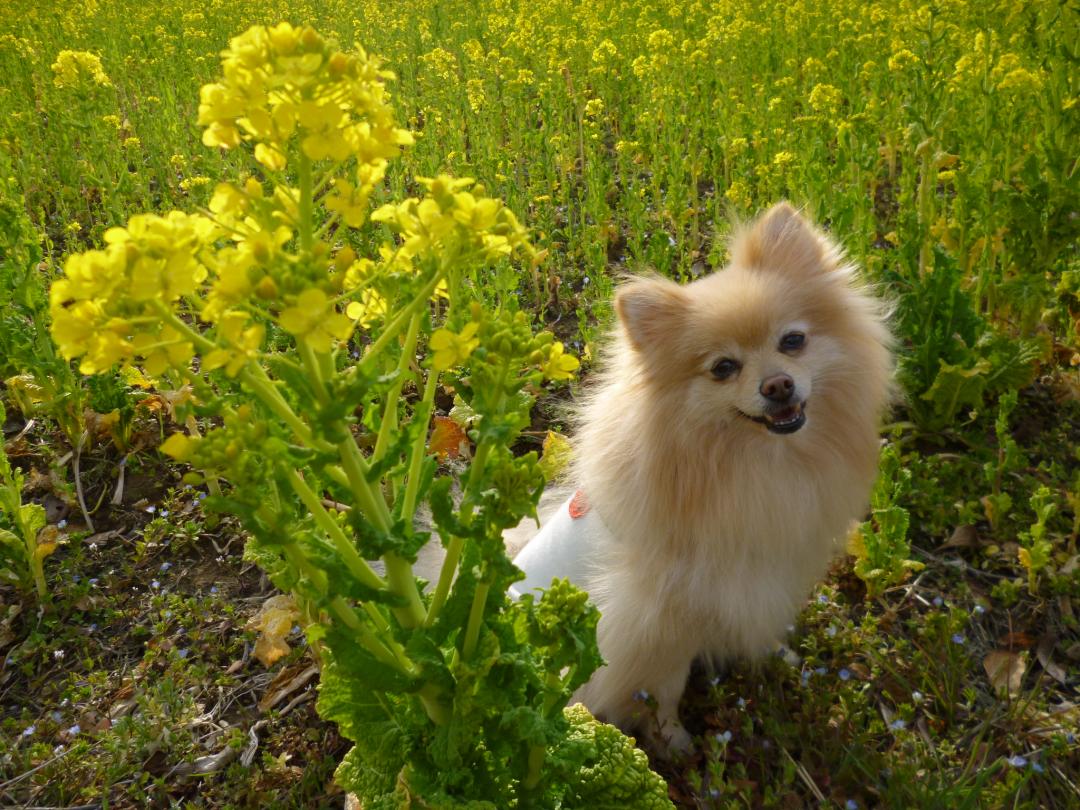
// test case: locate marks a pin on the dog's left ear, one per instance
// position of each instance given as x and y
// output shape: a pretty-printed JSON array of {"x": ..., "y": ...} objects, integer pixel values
[{"x": 781, "y": 239}]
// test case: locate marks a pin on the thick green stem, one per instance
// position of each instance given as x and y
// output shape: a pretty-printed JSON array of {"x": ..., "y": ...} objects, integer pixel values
[
  {"x": 306, "y": 209},
  {"x": 454, "y": 548},
  {"x": 536, "y": 763},
  {"x": 351, "y": 557},
  {"x": 390, "y": 414},
  {"x": 398, "y": 571},
  {"x": 419, "y": 449},
  {"x": 476, "y": 618},
  {"x": 398, "y": 323}
]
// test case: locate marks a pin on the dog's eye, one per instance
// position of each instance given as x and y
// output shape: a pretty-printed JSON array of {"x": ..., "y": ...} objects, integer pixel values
[
  {"x": 725, "y": 368},
  {"x": 792, "y": 341}
]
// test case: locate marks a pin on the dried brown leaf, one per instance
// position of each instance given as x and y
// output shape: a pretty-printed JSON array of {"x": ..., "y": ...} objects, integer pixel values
[
  {"x": 448, "y": 439},
  {"x": 962, "y": 537},
  {"x": 1044, "y": 653},
  {"x": 1005, "y": 670}
]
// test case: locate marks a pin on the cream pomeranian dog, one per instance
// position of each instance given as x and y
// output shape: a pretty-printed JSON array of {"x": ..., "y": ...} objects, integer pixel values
[{"x": 729, "y": 442}]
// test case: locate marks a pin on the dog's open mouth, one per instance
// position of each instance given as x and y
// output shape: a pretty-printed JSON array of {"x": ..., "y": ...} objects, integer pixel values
[{"x": 782, "y": 420}]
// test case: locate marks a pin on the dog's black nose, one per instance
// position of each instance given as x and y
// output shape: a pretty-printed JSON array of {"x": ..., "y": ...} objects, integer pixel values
[{"x": 777, "y": 388}]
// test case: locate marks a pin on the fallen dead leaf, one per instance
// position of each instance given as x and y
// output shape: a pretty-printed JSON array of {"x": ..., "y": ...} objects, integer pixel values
[
  {"x": 448, "y": 439},
  {"x": 1044, "y": 652},
  {"x": 962, "y": 537},
  {"x": 1005, "y": 670}
]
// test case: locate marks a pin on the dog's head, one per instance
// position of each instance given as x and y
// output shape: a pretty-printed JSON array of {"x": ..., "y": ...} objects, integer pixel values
[{"x": 757, "y": 346}]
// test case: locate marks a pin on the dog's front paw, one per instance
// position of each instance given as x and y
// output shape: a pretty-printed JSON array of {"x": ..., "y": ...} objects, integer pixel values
[{"x": 676, "y": 739}]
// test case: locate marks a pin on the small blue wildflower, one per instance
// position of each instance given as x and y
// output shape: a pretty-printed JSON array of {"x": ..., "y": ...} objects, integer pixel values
[
  {"x": 1070, "y": 738},
  {"x": 958, "y": 639},
  {"x": 822, "y": 599},
  {"x": 1035, "y": 766},
  {"x": 29, "y": 731},
  {"x": 56, "y": 716},
  {"x": 724, "y": 737},
  {"x": 741, "y": 703},
  {"x": 164, "y": 513},
  {"x": 714, "y": 792},
  {"x": 830, "y": 631},
  {"x": 93, "y": 627},
  {"x": 165, "y": 566},
  {"x": 851, "y": 804},
  {"x": 92, "y": 582},
  {"x": 74, "y": 730},
  {"x": 155, "y": 584},
  {"x": 714, "y": 680},
  {"x": 898, "y": 725},
  {"x": 75, "y": 578},
  {"x": 61, "y": 524},
  {"x": 1018, "y": 761},
  {"x": 182, "y": 652},
  {"x": 938, "y": 601},
  {"x": 641, "y": 695},
  {"x": 213, "y": 589},
  {"x": 166, "y": 614},
  {"x": 820, "y": 671},
  {"x": 979, "y": 610},
  {"x": 58, "y": 749},
  {"x": 845, "y": 674},
  {"x": 151, "y": 509},
  {"x": 202, "y": 497}
]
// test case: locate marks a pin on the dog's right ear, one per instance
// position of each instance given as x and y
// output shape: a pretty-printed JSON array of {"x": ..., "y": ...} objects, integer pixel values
[{"x": 651, "y": 311}]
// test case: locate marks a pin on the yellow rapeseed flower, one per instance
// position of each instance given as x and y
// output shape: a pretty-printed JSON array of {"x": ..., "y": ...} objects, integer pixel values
[
  {"x": 453, "y": 349},
  {"x": 73, "y": 68}
]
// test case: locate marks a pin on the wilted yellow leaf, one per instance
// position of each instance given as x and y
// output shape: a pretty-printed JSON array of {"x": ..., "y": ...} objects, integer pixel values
[{"x": 274, "y": 621}]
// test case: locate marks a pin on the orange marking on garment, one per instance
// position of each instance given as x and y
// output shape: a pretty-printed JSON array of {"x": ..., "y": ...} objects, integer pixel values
[{"x": 579, "y": 505}]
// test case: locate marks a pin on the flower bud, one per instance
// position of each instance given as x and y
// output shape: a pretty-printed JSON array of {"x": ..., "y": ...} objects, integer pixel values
[
  {"x": 339, "y": 63},
  {"x": 310, "y": 39},
  {"x": 266, "y": 289},
  {"x": 344, "y": 259}
]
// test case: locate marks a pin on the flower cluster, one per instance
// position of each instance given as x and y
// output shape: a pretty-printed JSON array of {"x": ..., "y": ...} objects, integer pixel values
[
  {"x": 284, "y": 81},
  {"x": 73, "y": 68},
  {"x": 106, "y": 309}
]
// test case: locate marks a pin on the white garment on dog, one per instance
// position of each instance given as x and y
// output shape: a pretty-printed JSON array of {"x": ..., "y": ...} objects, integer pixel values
[{"x": 562, "y": 548}]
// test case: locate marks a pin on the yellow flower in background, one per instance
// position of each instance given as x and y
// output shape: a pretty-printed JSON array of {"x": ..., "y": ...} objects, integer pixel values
[
  {"x": 73, "y": 68},
  {"x": 825, "y": 98},
  {"x": 902, "y": 60},
  {"x": 453, "y": 349},
  {"x": 558, "y": 365},
  {"x": 370, "y": 308}
]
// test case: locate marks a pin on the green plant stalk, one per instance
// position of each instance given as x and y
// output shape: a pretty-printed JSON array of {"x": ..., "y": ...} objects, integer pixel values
[
  {"x": 380, "y": 644},
  {"x": 390, "y": 414},
  {"x": 255, "y": 377},
  {"x": 476, "y": 618},
  {"x": 390, "y": 331},
  {"x": 419, "y": 448},
  {"x": 314, "y": 369},
  {"x": 399, "y": 572},
  {"x": 306, "y": 208},
  {"x": 351, "y": 557},
  {"x": 454, "y": 548}
]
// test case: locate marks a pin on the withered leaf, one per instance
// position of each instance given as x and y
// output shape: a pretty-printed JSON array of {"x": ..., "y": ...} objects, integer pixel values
[
  {"x": 448, "y": 439},
  {"x": 1005, "y": 670}
]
